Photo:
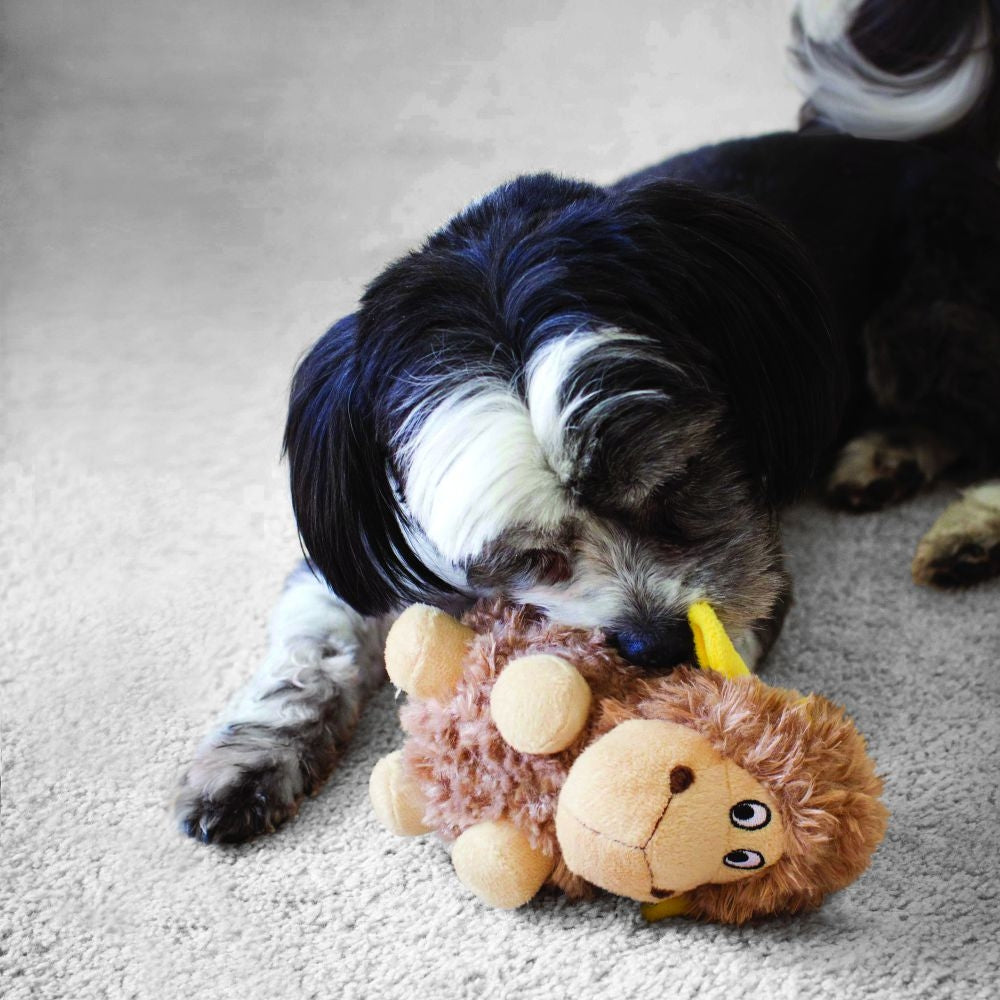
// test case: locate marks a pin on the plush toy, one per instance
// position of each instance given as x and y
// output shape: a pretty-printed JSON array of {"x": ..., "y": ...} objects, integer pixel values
[{"x": 546, "y": 759}]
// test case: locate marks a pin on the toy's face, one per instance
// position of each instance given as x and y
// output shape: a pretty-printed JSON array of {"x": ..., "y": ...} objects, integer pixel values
[{"x": 652, "y": 809}]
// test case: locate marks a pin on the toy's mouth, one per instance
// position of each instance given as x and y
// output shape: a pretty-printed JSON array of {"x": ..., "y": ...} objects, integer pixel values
[{"x": 653, "y": 767}]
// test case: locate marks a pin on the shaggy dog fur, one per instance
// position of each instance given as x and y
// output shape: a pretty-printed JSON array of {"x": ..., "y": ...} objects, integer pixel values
[{"x": 596, "y": 399}]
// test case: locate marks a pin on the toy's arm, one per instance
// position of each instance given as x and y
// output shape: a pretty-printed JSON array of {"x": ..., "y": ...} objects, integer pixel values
[
  {"x": 425, "y": 652},
  {"x": 540, "y": 703}
]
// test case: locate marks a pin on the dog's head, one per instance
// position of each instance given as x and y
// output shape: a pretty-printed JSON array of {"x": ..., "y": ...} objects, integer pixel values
[{"x": 586, "y": 399}]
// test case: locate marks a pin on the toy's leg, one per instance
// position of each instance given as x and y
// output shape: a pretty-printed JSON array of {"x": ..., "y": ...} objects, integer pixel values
[
  {"x": 963, "y": 546},
  {"x": 496, "y": 861},
  {"x": 396, "y": 797},
  {"x": 886, "y": 466}
]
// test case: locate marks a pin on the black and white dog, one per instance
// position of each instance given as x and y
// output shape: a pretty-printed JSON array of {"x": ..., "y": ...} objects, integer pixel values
[{"x": 595, "y": 399}]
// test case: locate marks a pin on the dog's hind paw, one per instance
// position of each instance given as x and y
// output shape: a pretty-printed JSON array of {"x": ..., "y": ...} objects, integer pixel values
[
  {"x": 884, "y": 467},
  {"x": 243, "y": 784},
  {"x": 963, "y": 546}
]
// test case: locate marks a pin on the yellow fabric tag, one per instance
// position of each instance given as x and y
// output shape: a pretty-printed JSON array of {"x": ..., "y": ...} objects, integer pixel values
[
  {"x": 712, "y": 646},
  {"x": 676, "y": 906}
]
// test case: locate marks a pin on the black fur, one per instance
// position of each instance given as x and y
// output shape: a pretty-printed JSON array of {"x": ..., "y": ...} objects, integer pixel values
[
  {"x": 346, "y": 505},
  {"x": 907, "y": 239},
  {"x": 725, "y": 293},
  {"x": 799, "y": 288}
]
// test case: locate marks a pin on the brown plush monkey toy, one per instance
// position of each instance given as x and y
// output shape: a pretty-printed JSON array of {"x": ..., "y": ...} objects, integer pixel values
[{"x": 545, "y": 758}]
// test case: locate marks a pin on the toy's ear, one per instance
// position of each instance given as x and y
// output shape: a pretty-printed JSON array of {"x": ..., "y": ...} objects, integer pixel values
[
  {"x": 425, "y": 652},
  {"x": 713, "y": 647}
]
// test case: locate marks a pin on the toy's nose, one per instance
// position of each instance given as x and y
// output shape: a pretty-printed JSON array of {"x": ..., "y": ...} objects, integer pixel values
[{"x": 658, "y": 646}]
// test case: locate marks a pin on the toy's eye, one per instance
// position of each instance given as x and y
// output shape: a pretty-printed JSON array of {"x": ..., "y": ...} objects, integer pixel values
[
  {"x": 750, "y": 815},
  {"x": 744, "y": 859}
]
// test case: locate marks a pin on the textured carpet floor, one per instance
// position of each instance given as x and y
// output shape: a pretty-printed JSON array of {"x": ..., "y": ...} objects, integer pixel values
[{"x": 191, "y": 191}]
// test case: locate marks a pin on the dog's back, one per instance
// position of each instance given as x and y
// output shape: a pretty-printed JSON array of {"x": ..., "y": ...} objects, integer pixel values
[{"x": 891, "y": 184}]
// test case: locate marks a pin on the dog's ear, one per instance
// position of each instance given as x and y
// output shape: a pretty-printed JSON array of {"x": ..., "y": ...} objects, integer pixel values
[
  {"x": 351, "y": 523},
  {"x": 749, "y": 297}
]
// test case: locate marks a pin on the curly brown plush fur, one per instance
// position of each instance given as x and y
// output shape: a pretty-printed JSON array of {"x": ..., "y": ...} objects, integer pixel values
[{"x": 805, "y": 751}]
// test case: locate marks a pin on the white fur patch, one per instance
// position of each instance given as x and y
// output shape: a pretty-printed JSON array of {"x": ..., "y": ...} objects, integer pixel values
[
  {"x": 308, "y": 620},
  {"x": 480, "y": 459},
  {"x": 474, "y": 468},
  {"x": 551, "y": 374},
  {"x": 865, "y": 101}
]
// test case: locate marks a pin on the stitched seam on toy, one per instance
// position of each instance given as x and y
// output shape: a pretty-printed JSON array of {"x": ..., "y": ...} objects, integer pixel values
[
  {"x": 649, "y": 869},
  {"x": 656, "y": 826},
  {"x": 597, "y": 833}
]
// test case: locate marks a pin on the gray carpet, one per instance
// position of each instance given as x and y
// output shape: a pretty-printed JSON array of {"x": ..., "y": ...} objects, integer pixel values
[{"x": 191, "y": 191}]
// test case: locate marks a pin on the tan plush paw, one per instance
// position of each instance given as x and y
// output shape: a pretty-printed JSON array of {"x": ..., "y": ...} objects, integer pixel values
[
  {"x": 540, "y": 703},
  {"x": 396, "y": 798},
  {"x": 425, "y": 652},
  {"x": 496, "y": 862}
]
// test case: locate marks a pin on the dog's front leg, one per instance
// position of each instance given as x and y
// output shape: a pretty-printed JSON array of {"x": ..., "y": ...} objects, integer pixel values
[{"x": 281, "y": 735}]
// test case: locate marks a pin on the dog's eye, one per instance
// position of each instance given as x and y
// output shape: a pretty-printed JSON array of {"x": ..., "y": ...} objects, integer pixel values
[
  {"x": 750, "y": 815},
  {"x": 662, "y": 513},
  {"x": 547, "y": 565},
  {"x": 744, "y": 859}
]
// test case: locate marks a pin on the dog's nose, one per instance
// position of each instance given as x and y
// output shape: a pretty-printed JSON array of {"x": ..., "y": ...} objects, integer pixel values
[{"x": 657, "y": 646}]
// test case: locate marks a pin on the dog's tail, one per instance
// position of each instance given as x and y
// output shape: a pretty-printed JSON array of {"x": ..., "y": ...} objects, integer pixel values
[{"x": 925, "y": 70}]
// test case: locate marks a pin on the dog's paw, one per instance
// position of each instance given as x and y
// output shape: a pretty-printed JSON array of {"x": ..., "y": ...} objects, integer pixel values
[
  {"x": 244, "y": 783},
  {"x": 884, "y": 467},
  {"x": 963, "y": 546},
  {"x": 873, "y": 471}
]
